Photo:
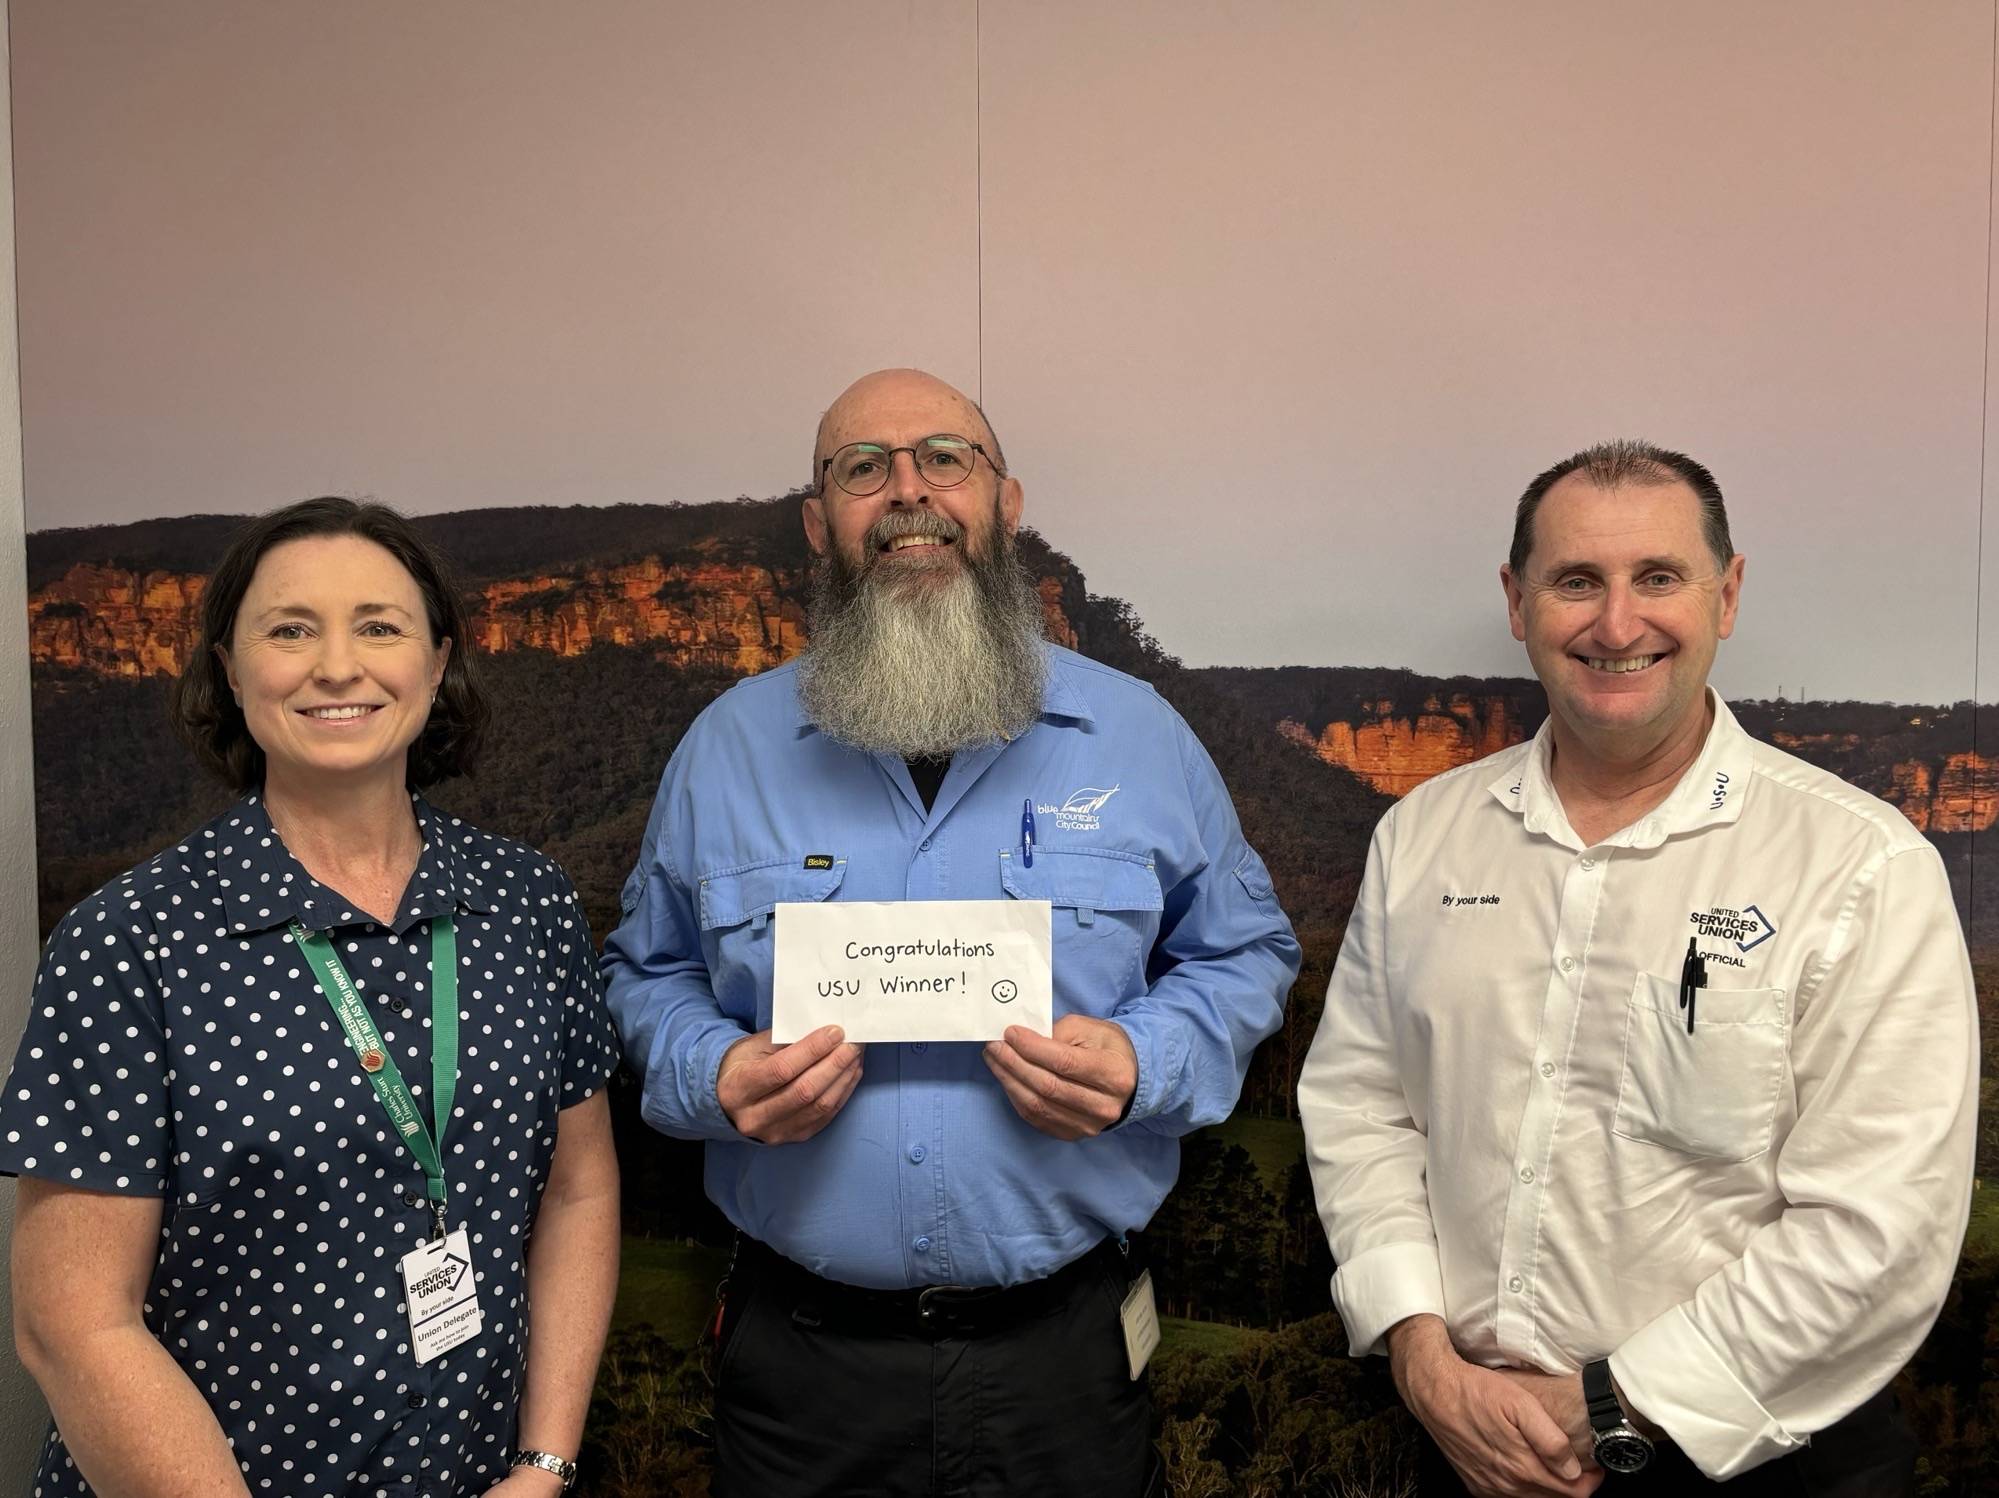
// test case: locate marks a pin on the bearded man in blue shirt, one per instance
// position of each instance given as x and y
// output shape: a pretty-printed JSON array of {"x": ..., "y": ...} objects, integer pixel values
[{"x": 932, "y": 1253}]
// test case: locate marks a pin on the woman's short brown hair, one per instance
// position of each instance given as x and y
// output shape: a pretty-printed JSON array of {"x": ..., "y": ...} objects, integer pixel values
[{"x": 203, "y": 708}]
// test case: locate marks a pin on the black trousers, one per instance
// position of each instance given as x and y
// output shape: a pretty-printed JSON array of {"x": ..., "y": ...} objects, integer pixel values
[
  {"x": 1869, "y": 1454},
  {"x": 822, "y": 1392}
]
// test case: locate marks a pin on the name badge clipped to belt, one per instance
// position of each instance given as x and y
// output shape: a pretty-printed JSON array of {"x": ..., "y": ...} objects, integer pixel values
[{"x": 1140, "y": 1318}]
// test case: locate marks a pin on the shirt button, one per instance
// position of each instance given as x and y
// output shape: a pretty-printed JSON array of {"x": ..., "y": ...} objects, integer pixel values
[
  {"x": 1568, "y": 964},
  {"x": 921, "y": 1245},
  {"x": 418, "y": 1401},
  {"x": 1547, "y": 1068},
  {"x": 1516, "y": 1284},
  {"x": 1589, "y": 863},
  {"x": 916, "y": 1154},
  {"x": 1527, "y": 1175},
  {"x": 924, "y": 846},
  {"x": 920, "y": 1046},
  {"x": 411, "y": 1199}
]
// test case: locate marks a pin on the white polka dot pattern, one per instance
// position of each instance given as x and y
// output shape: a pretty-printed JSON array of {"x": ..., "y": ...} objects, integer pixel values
[{"x": 179, "y": 1047}]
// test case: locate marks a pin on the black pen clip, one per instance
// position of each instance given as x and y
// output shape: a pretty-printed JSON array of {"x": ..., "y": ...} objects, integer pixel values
[{"x": 1693, "y": 978}]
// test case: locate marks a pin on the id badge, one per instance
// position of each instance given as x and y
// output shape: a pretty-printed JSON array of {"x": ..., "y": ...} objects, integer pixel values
[
  {"x": 1140, "y": 1318},
  {"x": 443, "y": 1295}
]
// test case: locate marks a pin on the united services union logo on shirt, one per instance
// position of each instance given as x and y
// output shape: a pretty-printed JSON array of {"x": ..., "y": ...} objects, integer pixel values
[
  {"x": 1747, "y": 927},
  {"x": 1079, "y": 812}
]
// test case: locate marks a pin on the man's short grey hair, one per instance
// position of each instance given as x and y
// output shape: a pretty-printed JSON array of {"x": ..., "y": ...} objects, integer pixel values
[{"x": 1618, "y": 464}]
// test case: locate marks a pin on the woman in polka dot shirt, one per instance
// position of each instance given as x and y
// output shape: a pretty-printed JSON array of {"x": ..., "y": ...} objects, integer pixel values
[{"x": 215, "y": 1208}]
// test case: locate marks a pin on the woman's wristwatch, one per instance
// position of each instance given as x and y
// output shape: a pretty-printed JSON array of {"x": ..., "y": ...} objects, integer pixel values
[{"x": 564, "y": 1470}]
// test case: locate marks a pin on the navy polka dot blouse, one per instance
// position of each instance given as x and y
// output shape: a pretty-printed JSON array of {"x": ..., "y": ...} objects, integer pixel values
[{"x": 179, "y": 1047}]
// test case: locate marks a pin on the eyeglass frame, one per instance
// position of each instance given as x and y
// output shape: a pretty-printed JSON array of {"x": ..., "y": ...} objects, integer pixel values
[{"x": 888, "y": 468}]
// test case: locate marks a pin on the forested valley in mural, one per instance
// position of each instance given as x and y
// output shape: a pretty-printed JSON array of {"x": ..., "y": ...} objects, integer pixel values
[{"x": 603, "y": 631}]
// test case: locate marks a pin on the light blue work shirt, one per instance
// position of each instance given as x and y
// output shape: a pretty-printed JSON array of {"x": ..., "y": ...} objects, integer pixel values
[{"x": 1163, "y": 921}]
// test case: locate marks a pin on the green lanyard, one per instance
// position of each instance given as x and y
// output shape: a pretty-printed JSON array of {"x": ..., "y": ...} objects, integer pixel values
[{"x": 390, "y": 1089}]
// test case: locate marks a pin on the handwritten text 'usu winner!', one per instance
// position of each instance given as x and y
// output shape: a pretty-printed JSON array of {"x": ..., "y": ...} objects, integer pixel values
[{"x": 911, "y": 969}]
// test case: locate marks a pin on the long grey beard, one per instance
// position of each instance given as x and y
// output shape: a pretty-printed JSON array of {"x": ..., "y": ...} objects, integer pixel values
[{"x": 923, "y": 670}]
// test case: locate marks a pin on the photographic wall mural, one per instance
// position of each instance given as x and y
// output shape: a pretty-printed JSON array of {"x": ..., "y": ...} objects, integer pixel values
[{"x": 1275, "y": 310}]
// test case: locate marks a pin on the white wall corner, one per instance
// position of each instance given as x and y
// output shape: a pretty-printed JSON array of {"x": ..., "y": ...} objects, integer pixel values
[{"x": 23, "y": 1416}]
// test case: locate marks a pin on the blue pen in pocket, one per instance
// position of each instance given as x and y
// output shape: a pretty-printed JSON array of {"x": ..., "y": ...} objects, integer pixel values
[{"x": 1027, "y": 833}]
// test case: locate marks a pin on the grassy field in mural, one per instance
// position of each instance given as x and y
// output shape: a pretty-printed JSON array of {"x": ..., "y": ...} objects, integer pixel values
[
  {"x": 669, "y": 1286},
  {"x": 605, "y": 631}
]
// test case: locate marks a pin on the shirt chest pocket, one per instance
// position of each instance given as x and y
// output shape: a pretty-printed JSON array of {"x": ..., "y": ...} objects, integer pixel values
[
  {"x": 1713, "y": 1093},
  {"x": 736, "y": 908},
  {"x": 1105, "y": 918}
]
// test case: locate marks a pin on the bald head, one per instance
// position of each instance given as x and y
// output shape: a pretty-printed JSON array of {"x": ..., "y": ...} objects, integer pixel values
[{"x": 889, "y": 396}]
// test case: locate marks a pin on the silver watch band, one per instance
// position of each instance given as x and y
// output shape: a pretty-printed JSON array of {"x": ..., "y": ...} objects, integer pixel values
[{"x": 542, "y": 1459}]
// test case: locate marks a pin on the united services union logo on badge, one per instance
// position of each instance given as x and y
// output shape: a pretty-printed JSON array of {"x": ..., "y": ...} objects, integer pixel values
[
  {"x": 1748, "y": 927},
  {"x": 1079, "y": 813}
]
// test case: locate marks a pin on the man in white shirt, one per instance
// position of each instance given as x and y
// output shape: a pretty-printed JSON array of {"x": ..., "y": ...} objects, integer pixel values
[{"x": 1641, "y": 1114}]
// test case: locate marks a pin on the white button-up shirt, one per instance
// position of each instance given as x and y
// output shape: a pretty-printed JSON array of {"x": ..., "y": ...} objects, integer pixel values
[{"x": 1509, "y": 1125}]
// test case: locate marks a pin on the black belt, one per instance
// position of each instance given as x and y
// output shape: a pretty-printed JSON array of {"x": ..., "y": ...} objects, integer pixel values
[{"x": 929, "y": 1310}]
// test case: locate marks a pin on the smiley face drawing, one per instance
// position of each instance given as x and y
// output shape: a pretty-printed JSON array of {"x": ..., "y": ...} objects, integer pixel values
[{"x": 1006, "y": 990}]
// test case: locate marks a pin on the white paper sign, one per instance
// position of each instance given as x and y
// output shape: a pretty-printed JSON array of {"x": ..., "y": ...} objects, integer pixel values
[{"x": 887, "y": 970}]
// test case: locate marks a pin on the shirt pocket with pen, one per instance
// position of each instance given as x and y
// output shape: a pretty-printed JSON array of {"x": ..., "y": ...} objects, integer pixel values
[
  {"x": 1105, "y": 917},
  {"x": 735, "y": 907},
  {"x": 1711, "y": 1093}
]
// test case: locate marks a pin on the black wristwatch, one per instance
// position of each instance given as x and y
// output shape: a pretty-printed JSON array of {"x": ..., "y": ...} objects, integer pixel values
[{"x": 1620, "y": 1445}]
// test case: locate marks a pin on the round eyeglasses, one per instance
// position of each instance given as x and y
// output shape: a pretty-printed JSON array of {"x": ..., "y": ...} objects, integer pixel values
[{"x": 943, "y": 460}]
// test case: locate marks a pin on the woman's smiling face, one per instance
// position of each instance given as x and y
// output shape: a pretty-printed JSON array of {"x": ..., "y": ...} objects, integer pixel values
[{"x": 332, "y": 660}]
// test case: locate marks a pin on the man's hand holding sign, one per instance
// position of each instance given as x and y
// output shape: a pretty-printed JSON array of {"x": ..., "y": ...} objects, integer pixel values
[
  {"x": 1073, "y": 1085},
  {"x": 779, "y": 1094}
]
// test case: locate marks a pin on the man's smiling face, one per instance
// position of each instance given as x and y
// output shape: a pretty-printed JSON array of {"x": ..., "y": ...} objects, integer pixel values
[
  {"x": 1621, "y": 605},
  {"x": 926, "y": 630},
  {"x": 911, "y": 528}
]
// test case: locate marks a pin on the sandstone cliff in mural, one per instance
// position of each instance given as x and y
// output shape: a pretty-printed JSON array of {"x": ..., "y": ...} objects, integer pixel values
[
  {"x": 1395, "y": 754},
  {"x": 1961, "y": 796},
  {"x": 1394, "y": 744},
  {"x": 746, "y": 618},
  {"x": 742, "y": 617},
  {"x": 723, "y": 587},
  {"x": 115, "y": 621}
]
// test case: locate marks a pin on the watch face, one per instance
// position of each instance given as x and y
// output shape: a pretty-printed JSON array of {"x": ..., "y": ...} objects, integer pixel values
[{"x": 1623, "y": 1451}]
